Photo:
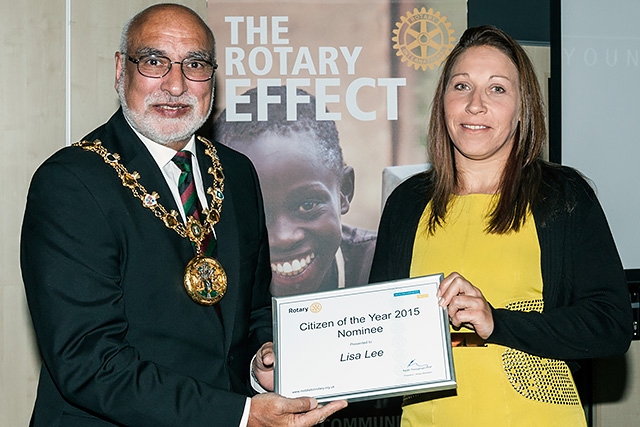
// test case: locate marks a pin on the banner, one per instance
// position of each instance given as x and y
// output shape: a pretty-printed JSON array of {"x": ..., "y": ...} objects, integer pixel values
[{"x": 323, "y": 96}]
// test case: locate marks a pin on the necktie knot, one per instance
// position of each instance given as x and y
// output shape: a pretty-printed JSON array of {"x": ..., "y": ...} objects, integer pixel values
[
  {"x": 189, "y": 196},
  {"x": 182, "y": 159}
]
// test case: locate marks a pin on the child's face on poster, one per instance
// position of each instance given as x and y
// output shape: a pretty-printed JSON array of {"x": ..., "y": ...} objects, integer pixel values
[{"x": 303, "y": 205}]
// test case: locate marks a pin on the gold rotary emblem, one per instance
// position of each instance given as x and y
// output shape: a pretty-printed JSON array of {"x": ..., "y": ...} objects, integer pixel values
[
  {"x": 205, "y": 280},
  {"x": 315, "y": 307},
  {"x": 423, "y": 39}
]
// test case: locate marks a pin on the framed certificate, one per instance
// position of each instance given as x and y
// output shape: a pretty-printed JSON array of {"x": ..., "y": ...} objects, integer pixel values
[{"x": 371, "y": 341}]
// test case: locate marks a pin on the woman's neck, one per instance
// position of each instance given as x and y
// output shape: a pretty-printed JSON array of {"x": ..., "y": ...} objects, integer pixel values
[
  {"x": 480, "y": 176},
  {"x": 478, "y": 182}
]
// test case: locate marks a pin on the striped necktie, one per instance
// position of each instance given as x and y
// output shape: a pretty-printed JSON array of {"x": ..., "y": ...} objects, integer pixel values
[{"x": 189, "y": 197}]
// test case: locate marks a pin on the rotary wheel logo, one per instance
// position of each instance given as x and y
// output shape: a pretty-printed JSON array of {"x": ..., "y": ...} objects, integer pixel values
[
  {"x": 423, "y": 39},
  {"x": 315, "y": 307}
]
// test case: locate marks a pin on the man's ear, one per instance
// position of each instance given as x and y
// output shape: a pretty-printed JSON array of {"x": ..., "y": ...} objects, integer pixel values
[
  {"x": 119, "y": 64},
  {"x": 347, "y": 187}
]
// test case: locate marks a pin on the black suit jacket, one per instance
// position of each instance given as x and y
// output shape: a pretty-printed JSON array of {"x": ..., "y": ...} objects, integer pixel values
[{"x": 121, "y": 341}]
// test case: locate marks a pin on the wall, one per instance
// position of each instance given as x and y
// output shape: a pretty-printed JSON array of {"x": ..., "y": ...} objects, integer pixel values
[
  {"x": 599, "y": 56},
  {"x": 33, "y": 126}
]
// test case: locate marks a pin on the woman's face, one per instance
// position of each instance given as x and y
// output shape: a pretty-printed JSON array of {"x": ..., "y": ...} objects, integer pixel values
[
  {"x": 303, "y": 205},
  {"x": 482, "y": 106}
]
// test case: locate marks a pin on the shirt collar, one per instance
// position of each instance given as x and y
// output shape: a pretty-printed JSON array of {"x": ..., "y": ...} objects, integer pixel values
[{"x": 161, "y": 153}]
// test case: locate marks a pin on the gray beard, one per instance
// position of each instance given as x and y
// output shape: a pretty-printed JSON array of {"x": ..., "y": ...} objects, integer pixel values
[{"x": 148, "y": 126}]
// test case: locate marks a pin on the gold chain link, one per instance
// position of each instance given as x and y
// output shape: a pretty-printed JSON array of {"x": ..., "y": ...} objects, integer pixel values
[{"x": 193, "y": 230}]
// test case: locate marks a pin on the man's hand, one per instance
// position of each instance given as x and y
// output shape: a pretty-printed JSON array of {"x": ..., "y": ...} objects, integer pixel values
[
  {"x": 273, "y": 410},
  {"x": 263, "y": 366}
]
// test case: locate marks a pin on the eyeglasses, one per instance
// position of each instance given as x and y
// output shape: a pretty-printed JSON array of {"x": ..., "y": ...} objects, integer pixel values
[{"x": 156, "y": 67}]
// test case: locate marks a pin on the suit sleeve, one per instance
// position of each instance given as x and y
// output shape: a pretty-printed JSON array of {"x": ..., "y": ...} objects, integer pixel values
[{"x": 261, "y": 329}]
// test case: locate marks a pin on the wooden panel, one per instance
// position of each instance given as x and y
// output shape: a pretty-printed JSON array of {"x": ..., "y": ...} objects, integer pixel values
[{"x": 32, "y": 125}]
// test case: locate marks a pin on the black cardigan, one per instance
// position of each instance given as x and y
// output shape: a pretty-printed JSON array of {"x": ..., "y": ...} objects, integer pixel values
[{"x": 587, "y": 310}]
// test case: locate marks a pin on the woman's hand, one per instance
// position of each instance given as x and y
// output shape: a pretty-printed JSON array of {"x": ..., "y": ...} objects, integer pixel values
[{"x": 466, "y": 305}]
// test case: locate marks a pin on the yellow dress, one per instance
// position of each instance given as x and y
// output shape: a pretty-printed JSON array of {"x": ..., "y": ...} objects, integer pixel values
[{"x": 497, "y": 386}]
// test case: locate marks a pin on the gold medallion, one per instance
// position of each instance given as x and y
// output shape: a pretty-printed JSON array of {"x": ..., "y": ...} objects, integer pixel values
[{"x": 205, "y": 280}]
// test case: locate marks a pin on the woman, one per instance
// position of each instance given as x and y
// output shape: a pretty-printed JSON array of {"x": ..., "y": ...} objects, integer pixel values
[{"x": 533, "y": 278}]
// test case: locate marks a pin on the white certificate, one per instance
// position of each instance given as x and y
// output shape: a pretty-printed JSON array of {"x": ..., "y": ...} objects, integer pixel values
[{"x": 366, "y": 342}]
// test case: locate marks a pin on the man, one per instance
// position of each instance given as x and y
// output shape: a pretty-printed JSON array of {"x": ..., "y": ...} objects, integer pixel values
[{"x": 128, "y": 336}]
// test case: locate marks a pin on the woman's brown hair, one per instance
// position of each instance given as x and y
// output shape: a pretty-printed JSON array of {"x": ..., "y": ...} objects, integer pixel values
[{"x": 521, "y": 176}]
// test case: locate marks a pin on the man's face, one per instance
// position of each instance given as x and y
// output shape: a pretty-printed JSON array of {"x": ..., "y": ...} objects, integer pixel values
[
  {"x": 170, "y": 109},
  {"x": 303, "y": 203}
]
